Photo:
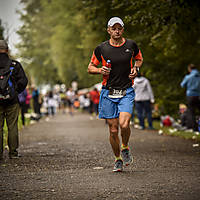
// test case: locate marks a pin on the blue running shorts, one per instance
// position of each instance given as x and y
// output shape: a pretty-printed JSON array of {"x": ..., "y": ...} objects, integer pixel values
[{"x": 109, "y": 108}]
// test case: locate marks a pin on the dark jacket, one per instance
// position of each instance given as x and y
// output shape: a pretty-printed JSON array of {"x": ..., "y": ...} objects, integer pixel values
[{"x": 19, "y": 77}]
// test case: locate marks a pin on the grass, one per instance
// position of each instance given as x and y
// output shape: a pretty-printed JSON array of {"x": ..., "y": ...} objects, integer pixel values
[
  {"x": 171, "y": 131},
  {"x": 174, "y": 132}
]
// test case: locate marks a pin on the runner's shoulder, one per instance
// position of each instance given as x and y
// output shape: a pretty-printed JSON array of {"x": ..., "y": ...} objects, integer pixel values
[
  {"x": 131, "y": 42},
  {"x": 100, "y": 47},
  {"x": 105, "y": 43}
]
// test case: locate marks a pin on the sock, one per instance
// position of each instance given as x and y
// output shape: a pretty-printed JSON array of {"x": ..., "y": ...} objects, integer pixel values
[
  {"x": 118, "y": 158},
  {"x": 124, "y": 147}
]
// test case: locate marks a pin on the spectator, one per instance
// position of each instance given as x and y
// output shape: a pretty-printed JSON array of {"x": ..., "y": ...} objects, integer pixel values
[
  {"x": 35, "y": 96},
  {"x": 185, "y": 117},
  {"x": 143, "y": 99},
  {"x": 63, "y": 102},
  {"x": 86, "y": 103},
  {"x": 76, "y": 101},
  {"x": 70, "y": 94},
  {"x": 94, "y": 97},
  {"x": 45, "y": 109},
  {"x": 22, "y": 102},
  {"x": 52, "y": 104},
  {"x": 28, "y": 99},
  {"x": 192, "y": 84},
  {"x": 9, "y": 107}
]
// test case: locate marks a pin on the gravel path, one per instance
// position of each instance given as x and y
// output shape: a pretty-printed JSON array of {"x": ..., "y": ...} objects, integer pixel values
[{"x": 71, "y": 158}]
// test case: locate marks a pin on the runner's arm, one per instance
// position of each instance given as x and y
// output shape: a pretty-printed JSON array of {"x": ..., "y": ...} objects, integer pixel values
[
  {"x": 138, "y": 60},
  {"x": 93, "y": 69},
  {"x": 137, "y": 65},
  {"x": 95, "y": 61}
]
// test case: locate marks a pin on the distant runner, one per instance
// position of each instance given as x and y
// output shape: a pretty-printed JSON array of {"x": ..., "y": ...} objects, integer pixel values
[{"x": 117, "y": 95}]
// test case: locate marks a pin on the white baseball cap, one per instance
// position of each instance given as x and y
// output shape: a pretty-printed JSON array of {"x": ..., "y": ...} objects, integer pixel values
[{"x": 115, "y": 20}]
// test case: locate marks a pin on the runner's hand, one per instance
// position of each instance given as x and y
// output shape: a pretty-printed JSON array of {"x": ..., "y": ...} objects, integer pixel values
[
  {"x": 133, "y": 73},
  {"x": 105, "y": 70}
]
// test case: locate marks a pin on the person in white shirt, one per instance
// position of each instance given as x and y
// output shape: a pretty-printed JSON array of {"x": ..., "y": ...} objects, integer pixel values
[
  {"x": 52, "y": 103},
  {"x": 143, "y": 99},
  {"x": 70, "y": 94}
]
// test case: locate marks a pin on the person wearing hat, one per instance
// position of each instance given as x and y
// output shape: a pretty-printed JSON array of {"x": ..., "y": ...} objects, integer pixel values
[
  {"x": 120, "y": 58},
  {"x": 9, "y": 107}
]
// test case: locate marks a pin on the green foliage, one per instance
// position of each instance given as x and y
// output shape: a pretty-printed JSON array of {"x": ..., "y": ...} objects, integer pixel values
[{"x": 58, "y": 38}]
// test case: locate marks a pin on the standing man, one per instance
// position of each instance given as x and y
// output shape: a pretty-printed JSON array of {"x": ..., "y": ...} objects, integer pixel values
[
  {"x": 9, "y": 105},
  {"x": 117, "y": 94},
  {"x": 94, "y": 97},
  {"x": 143, "y": 99},
  {"x": 192, "y": 84}
]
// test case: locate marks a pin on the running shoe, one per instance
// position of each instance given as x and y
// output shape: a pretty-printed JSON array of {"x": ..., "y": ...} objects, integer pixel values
[
  {"x": 126, "y": 156},
  {"x": 118, "y": 166}
]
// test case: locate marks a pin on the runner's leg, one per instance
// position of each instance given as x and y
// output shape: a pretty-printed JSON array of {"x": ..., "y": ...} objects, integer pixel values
[
  {"x": 114, "y": 138},
  {"x": 124, "y": 122}
]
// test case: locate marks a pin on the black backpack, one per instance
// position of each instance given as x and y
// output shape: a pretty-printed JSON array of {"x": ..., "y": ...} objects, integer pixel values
[{"x": 7, "y": 84}]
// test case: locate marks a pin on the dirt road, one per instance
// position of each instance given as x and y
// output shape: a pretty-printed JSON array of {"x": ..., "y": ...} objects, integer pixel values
[{"x": 71, "y": 158}]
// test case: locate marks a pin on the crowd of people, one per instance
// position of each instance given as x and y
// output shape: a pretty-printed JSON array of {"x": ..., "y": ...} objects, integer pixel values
[{"x": 53, "y": 101}]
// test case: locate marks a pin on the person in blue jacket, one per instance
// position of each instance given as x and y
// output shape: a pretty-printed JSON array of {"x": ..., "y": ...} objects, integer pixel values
[{"x": 192, "y": 84}]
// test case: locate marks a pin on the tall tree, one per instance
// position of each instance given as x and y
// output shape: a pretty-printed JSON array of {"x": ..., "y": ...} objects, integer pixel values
[
  {"x": 59, "y": 37},
  {"x": 35, "y": 47}
]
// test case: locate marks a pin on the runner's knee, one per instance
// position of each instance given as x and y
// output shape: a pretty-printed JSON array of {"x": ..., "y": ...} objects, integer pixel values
[
  {"x": 114, "y": 134},
  {"x": 114, "y": 130},
  {"x": 124, "y": 125}
]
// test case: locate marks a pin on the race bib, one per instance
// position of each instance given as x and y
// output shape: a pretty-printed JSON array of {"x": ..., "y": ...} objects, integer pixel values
[{"x": 115, "y": 93}]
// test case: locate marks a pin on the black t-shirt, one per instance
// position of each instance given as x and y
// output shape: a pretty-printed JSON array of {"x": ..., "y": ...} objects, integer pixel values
[{"x": 121, "y": 58}]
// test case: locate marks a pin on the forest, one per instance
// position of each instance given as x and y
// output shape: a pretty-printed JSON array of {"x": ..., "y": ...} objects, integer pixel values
[{"x": 58, "y": 38}]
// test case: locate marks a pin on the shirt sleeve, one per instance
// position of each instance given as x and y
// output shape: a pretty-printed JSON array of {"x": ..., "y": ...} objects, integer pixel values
[
  {"x": 184, "y": 82},
  {"x": 138, "y": 56},
  {"x": 96, "y": 56},
  {"x": 137, "y": 53}
]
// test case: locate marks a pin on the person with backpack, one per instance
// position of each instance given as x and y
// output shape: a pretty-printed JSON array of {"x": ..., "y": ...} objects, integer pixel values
[{"x": 13, "y": 81}]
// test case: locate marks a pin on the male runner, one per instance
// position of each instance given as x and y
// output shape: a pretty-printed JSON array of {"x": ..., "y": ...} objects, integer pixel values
[{"x": 117, "y": 94}]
